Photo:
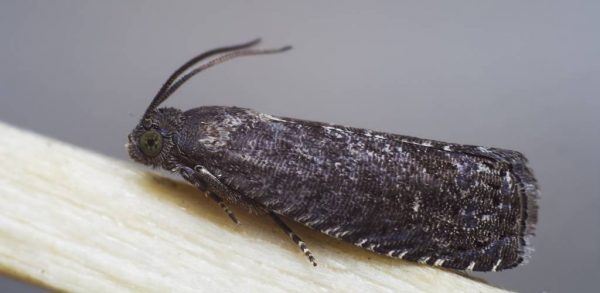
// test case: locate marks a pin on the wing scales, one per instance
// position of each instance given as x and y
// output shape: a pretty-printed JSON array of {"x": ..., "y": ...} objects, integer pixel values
[{"x": 439, "y": 203}]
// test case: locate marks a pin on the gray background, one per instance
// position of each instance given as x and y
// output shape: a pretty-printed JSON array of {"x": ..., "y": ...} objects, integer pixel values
[{"x": 514, "y": 74}]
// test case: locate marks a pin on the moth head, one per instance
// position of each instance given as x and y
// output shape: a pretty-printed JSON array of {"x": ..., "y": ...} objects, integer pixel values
[{"x": 151, "y": 141}]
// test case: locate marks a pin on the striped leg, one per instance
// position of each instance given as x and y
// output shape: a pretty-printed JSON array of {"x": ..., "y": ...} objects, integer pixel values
[
  {"x": 294, "y": 237},
  {"x": 220, "y": 202}
]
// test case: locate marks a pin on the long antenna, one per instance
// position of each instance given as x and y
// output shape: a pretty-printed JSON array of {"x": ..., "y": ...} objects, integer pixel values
[
  {"x": 219, "y": 60},
  {"x": 175, "y": 80}
]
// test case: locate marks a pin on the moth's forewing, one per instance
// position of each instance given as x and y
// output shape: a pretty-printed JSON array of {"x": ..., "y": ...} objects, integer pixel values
[{"x": 450, "y": 205}]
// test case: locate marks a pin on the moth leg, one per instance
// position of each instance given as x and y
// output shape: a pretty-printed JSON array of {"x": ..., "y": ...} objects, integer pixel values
[
  {"x": 294, "y": 237},
  {"x": 204, "y": 180},
  {"x": 220, "y": 202}
]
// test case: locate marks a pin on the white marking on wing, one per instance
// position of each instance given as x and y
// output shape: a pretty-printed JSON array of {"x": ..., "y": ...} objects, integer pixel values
[
  {"x": 264, "y": 117},
  {"x": 361, "y": 242},
  {"x": 496, "y": 265},
  {"x": 402, "y": 254},
  {"x": 484, "y": 149},
  {"x": 417, "y": 204},
  {"x": 483, "y": 168},
  {"x": 424, "y": 259},
  {"x": 439, "y": 262}
]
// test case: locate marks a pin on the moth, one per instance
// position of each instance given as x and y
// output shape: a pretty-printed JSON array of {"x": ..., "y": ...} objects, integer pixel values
[{"x": 456, "y": 206}]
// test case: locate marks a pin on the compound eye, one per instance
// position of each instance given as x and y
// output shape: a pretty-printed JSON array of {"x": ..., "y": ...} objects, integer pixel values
[{"x": 151, "y": 143}]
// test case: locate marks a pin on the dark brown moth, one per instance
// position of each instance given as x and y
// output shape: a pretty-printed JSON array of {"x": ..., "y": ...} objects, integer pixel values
[{"x": 456, "y": 206}]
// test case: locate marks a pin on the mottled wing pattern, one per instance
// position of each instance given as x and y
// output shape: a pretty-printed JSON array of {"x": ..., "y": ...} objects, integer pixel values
[{"x": 449, "y": 205}]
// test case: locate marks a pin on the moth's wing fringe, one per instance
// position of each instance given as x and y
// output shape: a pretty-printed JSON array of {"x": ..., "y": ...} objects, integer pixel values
[{"x": 528, "y": 189}]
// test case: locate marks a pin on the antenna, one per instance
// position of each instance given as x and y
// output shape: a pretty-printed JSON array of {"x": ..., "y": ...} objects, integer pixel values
[{"x": 227, "y": 53}]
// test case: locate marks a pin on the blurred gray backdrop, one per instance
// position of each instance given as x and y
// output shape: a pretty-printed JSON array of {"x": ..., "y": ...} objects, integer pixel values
[{"x": 522, "y": 75}]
